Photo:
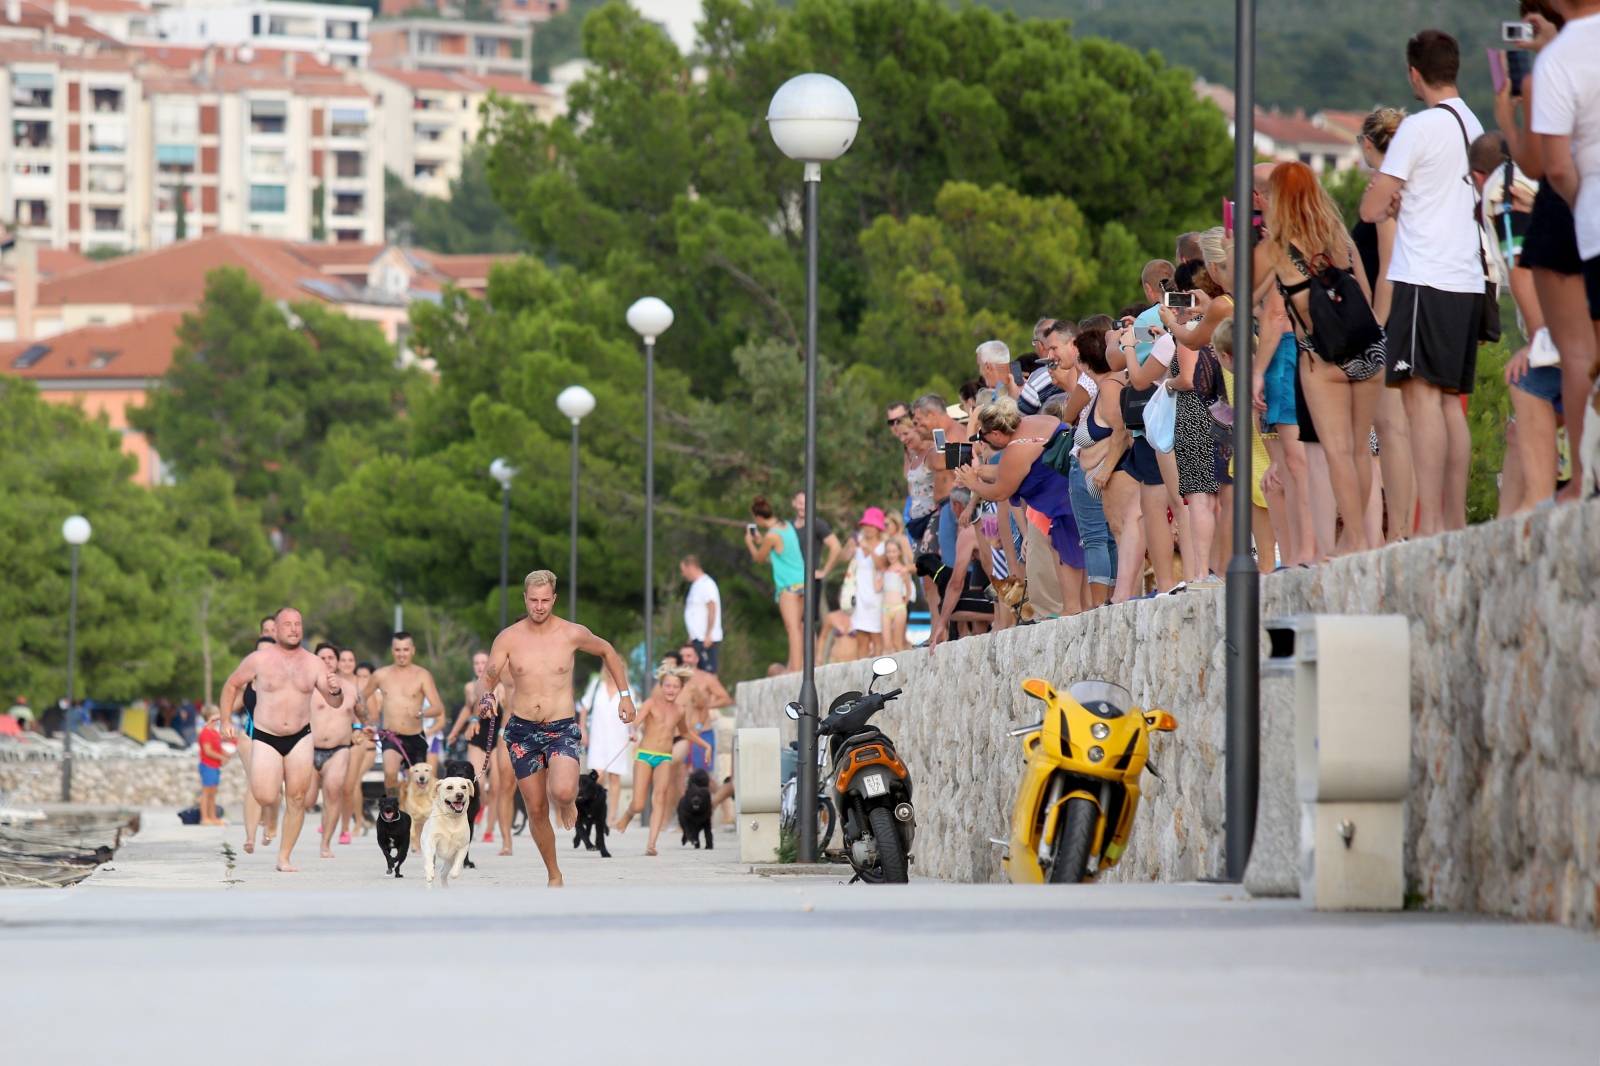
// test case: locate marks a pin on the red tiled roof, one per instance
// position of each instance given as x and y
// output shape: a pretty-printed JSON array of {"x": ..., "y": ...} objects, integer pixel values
[
  {"x": 29, "y": 52},
  {"x": 461, "y": 267},
  {"x": 138, "y": 349},
  {"x": 510, "y": 85},
  {"x": 330, "y": 258},
  {"x": 1296, "y": 129},
  {"x": 175, "y": 276},
  {"x": 41, "y": 16},
  {"x": 108, "y": 7},
  {"x": 426, "y": 80}
]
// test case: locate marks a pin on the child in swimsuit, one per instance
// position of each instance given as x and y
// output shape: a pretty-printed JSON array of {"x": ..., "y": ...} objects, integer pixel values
[
  {"x": 894, "y": 580},
  {"x": 660, "y": 723}
]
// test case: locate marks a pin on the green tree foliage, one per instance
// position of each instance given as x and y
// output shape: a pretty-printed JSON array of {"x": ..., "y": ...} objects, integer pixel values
[
  {"x": 54, "y": 462},
  {"x": 1309, "y": 54},
  {"x": 670, "y": 183},
  {"x": 256, "y": 392}
]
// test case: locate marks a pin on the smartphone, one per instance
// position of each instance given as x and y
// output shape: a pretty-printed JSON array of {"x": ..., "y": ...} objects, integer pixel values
[
  {"x": 957, "y": 455},
  {"x": 750, "y": 528},
  {"x": 1519, "y": 68},
  {"x": 1019, "y": 375},
  {"x": 938, "y": 439},
  {"x": 1227, "y": 214},
  {"x": 1516, "y": 32},
  {"x": 1178, "y": 301}
]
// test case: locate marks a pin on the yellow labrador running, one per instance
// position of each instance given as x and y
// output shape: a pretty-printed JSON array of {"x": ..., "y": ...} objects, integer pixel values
[{"x": 445, "y": 837}]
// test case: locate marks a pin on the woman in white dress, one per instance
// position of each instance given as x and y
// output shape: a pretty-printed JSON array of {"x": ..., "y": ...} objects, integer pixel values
[
  {"x": 607, "y": 736},
  {"x": 866, "y": 619}
]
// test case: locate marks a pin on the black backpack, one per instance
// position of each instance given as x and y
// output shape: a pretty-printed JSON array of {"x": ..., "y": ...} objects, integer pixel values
[{"x": 1342, "y": 326}]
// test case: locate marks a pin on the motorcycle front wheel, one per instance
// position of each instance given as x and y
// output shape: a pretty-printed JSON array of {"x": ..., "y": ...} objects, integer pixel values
[
  {"x": 891, "y": 856},
  {"x": 1074, "y": 835}
]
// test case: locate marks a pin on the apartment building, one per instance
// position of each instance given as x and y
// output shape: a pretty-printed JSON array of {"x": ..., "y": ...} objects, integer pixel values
[
  {"x": 135, "y": 149},
  {"x": 505, "y": 10},
  {"x": 431, "y": 118},
  {"x": 453, "y": 46},
  {"x": 268, "y": 152},
  {"x": 332, "y": 33},
  {"x": 75, "y": 172}
]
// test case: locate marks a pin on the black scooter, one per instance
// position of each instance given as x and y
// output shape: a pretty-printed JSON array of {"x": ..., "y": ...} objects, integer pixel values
[{"x": 869, "y": 784}]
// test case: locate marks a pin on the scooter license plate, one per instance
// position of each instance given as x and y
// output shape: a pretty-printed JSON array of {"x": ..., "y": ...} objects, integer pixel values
[{"x": 875, "y": 785}]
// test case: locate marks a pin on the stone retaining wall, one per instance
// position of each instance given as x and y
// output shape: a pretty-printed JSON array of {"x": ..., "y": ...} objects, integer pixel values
[
  {"x": 1504, "y": 812},
  {"x": 152, "y": 781}
]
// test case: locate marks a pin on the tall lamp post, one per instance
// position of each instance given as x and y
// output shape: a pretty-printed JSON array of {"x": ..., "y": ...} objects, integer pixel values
[
  {"x": 575, "y": 402},
  {"x": 504, "y": 472},
  {"x": 649, "y": 318},
  {"x": 75, "y": 531},
  {"x": 813, "y": 120},
  {"x": 1242, "y": 734}
]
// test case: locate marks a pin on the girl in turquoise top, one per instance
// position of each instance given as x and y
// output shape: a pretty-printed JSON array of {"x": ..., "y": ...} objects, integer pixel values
[{"x": 769, "y": 540}]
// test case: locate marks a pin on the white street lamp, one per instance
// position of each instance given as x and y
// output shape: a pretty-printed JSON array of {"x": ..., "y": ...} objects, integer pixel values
[
  {"x": 575, "y": 402},
  {"x": 504, "y": 472},
  {"x": 649, "y": 318},
  {"x": 813, "y": 120},
  {"x": 75, "y": 531}
]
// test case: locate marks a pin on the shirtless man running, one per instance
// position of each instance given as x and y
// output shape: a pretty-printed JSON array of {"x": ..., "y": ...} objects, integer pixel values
[
  {"x": 705, "y": 695},
  {"x": 404, "y": 685},
  {"x": 660, "y": 719},
  {"x": 541, "y": 733},
  {"x": 284, "y": 676},
  {"x": 332, "y": 725},
  {"x": 479, "y": 728}
]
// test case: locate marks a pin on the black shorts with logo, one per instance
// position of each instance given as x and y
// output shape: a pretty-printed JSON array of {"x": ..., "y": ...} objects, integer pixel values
[{"x": 1433, "y": 337}]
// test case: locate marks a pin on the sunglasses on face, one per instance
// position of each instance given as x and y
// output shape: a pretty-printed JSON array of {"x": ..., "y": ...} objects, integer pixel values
[{"x": 897, "y": 420}]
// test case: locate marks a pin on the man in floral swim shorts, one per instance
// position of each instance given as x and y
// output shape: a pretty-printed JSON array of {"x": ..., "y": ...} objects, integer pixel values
[{"x": 535, "y": 655}]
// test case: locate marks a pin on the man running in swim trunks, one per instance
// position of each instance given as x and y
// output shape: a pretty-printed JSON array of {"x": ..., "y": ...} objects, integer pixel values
[
  {"x": 704, "y": 695},
  {"x": 541, "y": 733},
  {"x": 284, "y": 675},
  {"x": 479, "y": 729},
  {"x": 404, "y": 685},
  {"x": 660, "y": 719},
  {"x": 331, "y": 731}
]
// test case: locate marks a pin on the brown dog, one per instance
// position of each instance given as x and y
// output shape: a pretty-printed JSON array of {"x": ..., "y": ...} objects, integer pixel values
[{"x": 416, "y": 799}]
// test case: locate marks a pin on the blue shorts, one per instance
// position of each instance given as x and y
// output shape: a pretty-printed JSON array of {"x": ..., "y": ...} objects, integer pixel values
[
  {"x": 1278, "y": 385},
  {"x": 533, "y": 744},
  {"x": 708, "y": 656},
  {"x": 210, "y": 776},
  {"x": 1543, "y": 382},
  {"x": 700, "y": 760}
]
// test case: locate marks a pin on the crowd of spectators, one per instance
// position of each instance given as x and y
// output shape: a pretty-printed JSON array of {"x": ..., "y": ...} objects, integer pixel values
[{"x": 1098, "y": 469}]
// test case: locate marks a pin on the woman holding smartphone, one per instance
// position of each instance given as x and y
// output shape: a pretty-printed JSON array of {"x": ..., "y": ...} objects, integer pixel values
[{"x": 771, "y": 541}]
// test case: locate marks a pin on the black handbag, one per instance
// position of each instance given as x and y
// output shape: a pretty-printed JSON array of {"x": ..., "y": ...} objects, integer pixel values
[
  {"x": 1489, "y": 313},
  {"x": 1133, "y": 402}
]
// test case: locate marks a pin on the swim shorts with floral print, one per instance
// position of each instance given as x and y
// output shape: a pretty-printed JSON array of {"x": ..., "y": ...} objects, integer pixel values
[{"x": 533, "y": 744}]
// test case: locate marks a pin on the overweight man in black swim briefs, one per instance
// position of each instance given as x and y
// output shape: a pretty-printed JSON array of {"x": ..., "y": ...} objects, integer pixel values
[{"x": 284, "y": 676}]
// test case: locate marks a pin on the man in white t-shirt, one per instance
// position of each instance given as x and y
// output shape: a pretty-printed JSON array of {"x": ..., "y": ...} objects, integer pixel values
[
  {"x": 702, "y": 613},
  {"x": 1438, "y": 274},
  {"x": 1566, "y": 118}
]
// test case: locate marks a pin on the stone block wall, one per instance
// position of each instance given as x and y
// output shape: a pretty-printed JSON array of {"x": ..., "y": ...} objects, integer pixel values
[
  {"x": 152, "y": 781},
  {"x": 1504, "y": 811}
]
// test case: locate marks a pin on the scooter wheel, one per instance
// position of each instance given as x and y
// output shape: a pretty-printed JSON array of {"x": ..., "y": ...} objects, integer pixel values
[
  {"x": 1074, "y": 835},
  {"x": 891, "y": 853}
]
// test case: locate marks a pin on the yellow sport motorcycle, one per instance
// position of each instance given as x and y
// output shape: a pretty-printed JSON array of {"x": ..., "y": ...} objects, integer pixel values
[{"x": 1080, "y": 787}]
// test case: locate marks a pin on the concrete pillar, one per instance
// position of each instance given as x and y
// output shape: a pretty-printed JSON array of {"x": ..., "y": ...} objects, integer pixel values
[{"x": 757, "y": 792}]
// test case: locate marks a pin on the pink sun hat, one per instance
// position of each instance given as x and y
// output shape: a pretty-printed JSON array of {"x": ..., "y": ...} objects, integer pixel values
[{"x": 872, "y": 516}]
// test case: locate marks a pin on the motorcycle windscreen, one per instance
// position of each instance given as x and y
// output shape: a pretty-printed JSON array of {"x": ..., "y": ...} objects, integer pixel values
[{"x": 1103, "y": 699}]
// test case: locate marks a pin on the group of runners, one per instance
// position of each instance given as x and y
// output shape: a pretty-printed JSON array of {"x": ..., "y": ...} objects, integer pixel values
[{"x": 312, "y": 719}]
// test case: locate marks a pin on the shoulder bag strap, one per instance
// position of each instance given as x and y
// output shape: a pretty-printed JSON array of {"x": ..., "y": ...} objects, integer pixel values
[{"x": 1477, "y": 199}]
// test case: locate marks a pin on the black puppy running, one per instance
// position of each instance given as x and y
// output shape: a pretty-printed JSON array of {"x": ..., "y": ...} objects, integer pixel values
[
  {"x": 592, "y": 813},
  {"x": 694, "y": 810},
  {"x": 462, "y": 768},
  {"x": 394, "y": 833}
]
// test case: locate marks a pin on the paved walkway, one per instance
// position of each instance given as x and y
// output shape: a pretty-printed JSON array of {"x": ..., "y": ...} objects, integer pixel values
[{"x": 171, "y": 958}]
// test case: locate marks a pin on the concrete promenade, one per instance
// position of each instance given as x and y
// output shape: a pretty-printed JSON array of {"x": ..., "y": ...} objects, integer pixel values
[{"x": 173, "y": 957}]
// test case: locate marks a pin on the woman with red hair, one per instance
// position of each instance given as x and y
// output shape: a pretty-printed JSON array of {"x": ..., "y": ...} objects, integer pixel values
[{"x": 1306, "y": 235}]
